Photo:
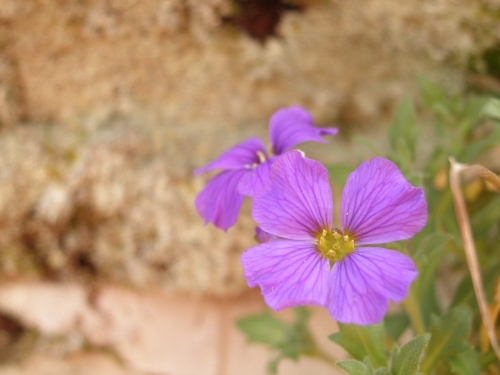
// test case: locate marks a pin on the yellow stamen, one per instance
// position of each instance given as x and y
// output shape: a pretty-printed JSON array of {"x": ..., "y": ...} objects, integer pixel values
[{"x": 334, "y": 245}]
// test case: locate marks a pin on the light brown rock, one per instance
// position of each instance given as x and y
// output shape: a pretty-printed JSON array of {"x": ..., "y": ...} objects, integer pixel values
[{"x": 152, "y": 332}]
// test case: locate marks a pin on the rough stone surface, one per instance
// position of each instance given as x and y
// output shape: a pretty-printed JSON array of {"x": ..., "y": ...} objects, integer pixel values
[
  {"x": 111, "y": 206},
  {"x": 67, "y": 60}
]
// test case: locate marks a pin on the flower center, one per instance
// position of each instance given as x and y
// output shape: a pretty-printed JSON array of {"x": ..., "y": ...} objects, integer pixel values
[{"x": 334, "y": 245}]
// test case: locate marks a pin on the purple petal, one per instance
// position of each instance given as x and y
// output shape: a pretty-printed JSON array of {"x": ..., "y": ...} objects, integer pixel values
[
  {"x": 297, "y": 201},
  {"x": 289, "y": 273},
  {"x": 293, "y": 125},
  {"x": 255, "y": 181},
  {"x": 220, "y": 202},
  {"x": 365, "y": 280},
  {"x": 243, "y": 155},
  {"x": 380, "y": 206},
  {"x": 263, "y": 236}
]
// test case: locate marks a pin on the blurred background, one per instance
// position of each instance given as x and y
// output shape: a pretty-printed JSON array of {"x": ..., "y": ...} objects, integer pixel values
[{"x": 106, "y": 107}]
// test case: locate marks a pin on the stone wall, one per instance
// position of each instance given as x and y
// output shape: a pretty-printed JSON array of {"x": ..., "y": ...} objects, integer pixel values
[
  {"x": 107, "y": 106},
  {"x": 63, "y": 60}
]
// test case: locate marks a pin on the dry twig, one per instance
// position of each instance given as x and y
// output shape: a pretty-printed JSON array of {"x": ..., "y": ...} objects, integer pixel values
[{"x": 469, "y": 246}]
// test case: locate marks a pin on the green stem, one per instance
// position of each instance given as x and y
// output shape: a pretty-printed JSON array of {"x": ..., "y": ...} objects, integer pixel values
[
  {"x": 414, "y": 314},
  {"x": 319, "y": 354}
]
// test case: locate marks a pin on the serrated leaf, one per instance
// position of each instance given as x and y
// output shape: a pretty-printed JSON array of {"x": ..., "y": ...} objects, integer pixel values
[
  {"x": 354, "y": 367},
  {"x": 405, "y": 361},
  {"x": 362, "y": 341},
  {"x": 466, "y": 363},
  {"x": 449, "y": 336}
]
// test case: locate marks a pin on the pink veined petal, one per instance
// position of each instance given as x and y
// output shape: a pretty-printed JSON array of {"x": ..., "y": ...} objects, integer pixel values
[
  {"x": 293, "y": 125},
  {"x": 254, "y": 181},
  {"x": 263, "y": 236},
  {"x": 297, "y": 202},
  {"x": 289, "y": 273},
  {"x": 220, "y": 202},
  {"x": 365, "y": 280},
  {"x": 243, "y": 155},
  {"x": 379, "y": 206}
]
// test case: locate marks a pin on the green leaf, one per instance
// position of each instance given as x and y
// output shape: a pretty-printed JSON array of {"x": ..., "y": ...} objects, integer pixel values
[
  {"x": 405, "y": 361},
  {"x": 472, "y": 150},
  {"x": 449, "y": 334},
  {"x": 362, "y": 341},
  {"x": 403, "y": 135},
  {"x": 465, "y": 363},
  {"x": 264, "y": 328},
  {"x": 290, "y": 339},
  {"x": 430, "y": 245},
  {"x": 338, "y": 173},
  {"x": 272, "y": 366},
  {"x": 432, "y": 94},
  {"x": 429, "y": 253},
  {"x": 354, "y": 367},
  {"x": 395, "y": 325},
  {"x": 465, "y": 294},
  {"x": 382, "y": 371},
  {"x": 369, "y": 144},
  {"x": 492, "y": 109},
  {"x": 472, "y": 111}
]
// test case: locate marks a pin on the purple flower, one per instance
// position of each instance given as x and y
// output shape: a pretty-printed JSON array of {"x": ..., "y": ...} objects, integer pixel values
[
  {"x": 312, "y": 263},
  {"x": 246, "y": 166}
]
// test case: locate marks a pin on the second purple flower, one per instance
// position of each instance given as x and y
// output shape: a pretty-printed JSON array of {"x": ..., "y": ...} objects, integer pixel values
[{"x": 245, "y": 167}]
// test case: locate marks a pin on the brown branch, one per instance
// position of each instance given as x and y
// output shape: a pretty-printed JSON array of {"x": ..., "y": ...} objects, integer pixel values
[{"x": 468, "y": 241}]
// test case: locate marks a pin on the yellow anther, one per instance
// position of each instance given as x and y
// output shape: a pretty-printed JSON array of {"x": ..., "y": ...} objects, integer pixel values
[
  {"x": 334, "y": 245},
  {"x": 331, "y": 254},
  {"x": 322, "y": 241}
]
